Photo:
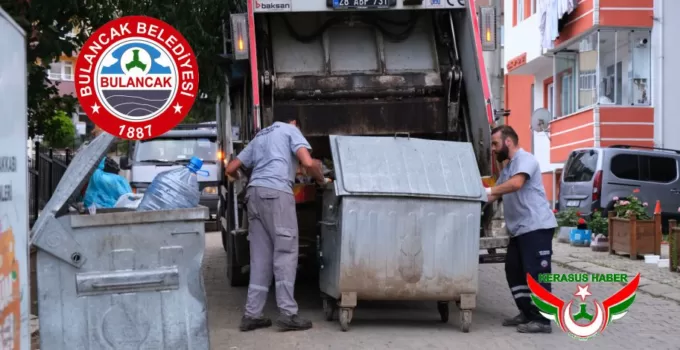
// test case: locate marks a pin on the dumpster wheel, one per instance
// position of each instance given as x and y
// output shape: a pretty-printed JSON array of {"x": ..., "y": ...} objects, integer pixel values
[
  {"x": 345, "y": 318},
  {"x": 443, "y": 308},
  {"x": 465, "y": 320},
  {"x": 329, "y": 308}
]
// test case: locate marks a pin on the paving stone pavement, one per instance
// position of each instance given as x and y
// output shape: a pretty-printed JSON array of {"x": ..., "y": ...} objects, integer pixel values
[
  {"x": 415, "y": 325},
  {"x": 654, "y": 280}
]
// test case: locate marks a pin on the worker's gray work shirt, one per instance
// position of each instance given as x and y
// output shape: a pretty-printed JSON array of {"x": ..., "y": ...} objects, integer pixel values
[
  {"x": 271, "y": 156},
  {"x": 527, "y": 209}
]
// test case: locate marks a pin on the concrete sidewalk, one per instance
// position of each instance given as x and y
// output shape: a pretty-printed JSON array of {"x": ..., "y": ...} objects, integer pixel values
[{"x": 656, "y": 281}]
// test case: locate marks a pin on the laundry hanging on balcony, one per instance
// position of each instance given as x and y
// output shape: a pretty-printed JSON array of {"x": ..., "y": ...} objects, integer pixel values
[{"x": 553, "y": 18}]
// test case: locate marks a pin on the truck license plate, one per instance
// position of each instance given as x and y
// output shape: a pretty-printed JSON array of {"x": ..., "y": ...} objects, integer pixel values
[
  {"x": 351, "y": 4},
  {"x": 572, "y": 203}
]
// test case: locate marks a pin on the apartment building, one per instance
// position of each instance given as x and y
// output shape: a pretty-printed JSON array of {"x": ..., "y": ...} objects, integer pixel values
[
  {"x": 603, "y": 72},
  {"x": 62, "y": 72}
]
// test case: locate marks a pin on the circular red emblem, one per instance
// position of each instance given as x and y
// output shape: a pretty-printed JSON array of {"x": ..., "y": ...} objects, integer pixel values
[{"x": 136, "y": 77}]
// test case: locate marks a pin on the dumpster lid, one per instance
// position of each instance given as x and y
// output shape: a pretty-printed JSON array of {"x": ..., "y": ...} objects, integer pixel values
[
  {"x": 76, "y": 176},
  {"x": 405, "y": 166}
]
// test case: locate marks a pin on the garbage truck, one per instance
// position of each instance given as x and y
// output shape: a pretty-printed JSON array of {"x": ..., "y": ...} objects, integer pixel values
[{"x": 399, "y": 68}]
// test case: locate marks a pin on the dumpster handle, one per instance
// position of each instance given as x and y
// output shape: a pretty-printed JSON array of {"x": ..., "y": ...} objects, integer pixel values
[
  {"x": 328, "y": 223},
  {"x": 407, "y": 134},
  {"x": 126, "y": 284}
]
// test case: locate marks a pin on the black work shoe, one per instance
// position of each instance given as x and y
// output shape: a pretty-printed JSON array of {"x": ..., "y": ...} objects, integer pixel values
[
  {"x": 515, "y": 321},
  {"x": 293, "y": 323},
  {"x": 534, "y": 327},
  {"x": 251, "y": 324}
]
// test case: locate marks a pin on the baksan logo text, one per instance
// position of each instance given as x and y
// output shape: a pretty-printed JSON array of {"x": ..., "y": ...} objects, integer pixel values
[{"x": 266, "y": 6}]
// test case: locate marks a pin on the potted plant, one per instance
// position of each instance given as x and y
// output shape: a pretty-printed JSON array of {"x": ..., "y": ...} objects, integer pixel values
[
  {"x": 674, "y": 244},
  {"x": 566, "y": 221},
  {"x": 600, "y": 228},
  {"x": 631, "y": 230}
]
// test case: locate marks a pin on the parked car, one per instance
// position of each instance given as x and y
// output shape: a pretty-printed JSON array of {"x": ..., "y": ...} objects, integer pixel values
[{"x": 592, "y": 177}]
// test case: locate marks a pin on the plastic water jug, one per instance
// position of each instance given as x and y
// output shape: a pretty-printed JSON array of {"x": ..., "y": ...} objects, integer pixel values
[{"x": 174, "y": 189}]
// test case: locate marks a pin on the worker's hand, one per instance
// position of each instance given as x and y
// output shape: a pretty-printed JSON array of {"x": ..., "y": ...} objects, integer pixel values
[
  {"x": 230, "y": 178},
  {"x": 325, "y": 181}
]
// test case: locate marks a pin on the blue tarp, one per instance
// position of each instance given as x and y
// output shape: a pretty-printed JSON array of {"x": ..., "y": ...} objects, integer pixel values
[{"x": 105, "y": 188}]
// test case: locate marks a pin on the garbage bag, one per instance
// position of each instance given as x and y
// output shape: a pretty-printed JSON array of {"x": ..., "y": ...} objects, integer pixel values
[
  {"x": 105, "y": 188},
  {"x": 129, "y": 200}
]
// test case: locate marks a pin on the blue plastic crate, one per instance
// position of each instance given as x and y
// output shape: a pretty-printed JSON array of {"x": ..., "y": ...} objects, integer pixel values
[{"x": 580, "y": 237}]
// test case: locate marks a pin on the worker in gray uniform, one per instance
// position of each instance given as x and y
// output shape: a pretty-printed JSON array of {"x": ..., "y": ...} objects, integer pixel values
[
  {"x": 530, "y": 223},
  {"x": 273, "y": 156}
]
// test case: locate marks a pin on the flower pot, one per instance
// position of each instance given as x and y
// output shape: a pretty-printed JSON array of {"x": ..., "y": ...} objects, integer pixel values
[
  {"x": 563, "y": 235},
  {"x": 580, "y": 238},
  {"x": 635, "y": 238},
  {"x": 600, "y": 243}
]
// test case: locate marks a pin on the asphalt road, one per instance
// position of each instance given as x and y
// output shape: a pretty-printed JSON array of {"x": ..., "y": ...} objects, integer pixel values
[{"x": 651, "y": 323}]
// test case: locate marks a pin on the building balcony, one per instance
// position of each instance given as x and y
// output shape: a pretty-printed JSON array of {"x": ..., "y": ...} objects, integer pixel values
[
  {"x": 591, "y": 15},
  {"x": 524, "y": 41}
]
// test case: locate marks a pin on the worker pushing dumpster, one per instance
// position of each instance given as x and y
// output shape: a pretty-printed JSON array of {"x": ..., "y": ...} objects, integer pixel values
[
  {"x": 118, "y": 279},
  {"x": 401, "y": 222}
]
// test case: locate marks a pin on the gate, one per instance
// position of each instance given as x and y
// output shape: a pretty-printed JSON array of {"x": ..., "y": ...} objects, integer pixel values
[{"x": 45, "y": 169}]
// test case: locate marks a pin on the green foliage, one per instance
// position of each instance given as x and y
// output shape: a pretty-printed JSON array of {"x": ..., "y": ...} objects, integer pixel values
[
  {"x": 60, "y": 131},
  {"x": 598, "y": 223},
  {"x": 631, "y": 205},
  {"x": 49, "y": 23},
  {"x": 567, "y": 218}
]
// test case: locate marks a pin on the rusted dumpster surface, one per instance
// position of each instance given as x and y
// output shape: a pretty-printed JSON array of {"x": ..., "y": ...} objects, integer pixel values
[{"x": 402, "y": 222}]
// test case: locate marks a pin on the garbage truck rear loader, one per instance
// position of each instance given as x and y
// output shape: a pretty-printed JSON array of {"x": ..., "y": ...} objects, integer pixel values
[{"x": 351, "y": 67}]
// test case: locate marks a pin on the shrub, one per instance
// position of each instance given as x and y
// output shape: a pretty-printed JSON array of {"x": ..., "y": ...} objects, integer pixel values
[
  {"x": 567, "y": 218},
  {"x": 598, "y": 224}
]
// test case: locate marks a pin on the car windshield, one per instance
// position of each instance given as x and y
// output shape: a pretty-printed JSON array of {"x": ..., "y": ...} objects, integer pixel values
[
  {"x": 176, "y": 150},
  {"x": 581, "y": 166}
]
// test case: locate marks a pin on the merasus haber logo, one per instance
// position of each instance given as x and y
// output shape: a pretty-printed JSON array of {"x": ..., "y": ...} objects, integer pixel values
[
  {"x": 136, "y": 77},
  {"x": 583, "y": 325}
]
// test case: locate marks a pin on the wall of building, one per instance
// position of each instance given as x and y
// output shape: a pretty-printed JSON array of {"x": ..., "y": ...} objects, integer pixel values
[{"x": 666, "y": 75}]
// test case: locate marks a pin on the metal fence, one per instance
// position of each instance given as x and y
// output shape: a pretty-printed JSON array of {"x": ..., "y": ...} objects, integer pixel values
[{"x": 45, "y": 169}]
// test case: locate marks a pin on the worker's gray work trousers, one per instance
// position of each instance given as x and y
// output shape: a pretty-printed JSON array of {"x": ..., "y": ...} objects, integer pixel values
[{"x": 273, "y": 236}]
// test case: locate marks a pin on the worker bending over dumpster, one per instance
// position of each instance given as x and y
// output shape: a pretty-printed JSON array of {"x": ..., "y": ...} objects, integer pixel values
[
  {"x": 530, "y": 223},
  {"x": 272, "y": 221}
]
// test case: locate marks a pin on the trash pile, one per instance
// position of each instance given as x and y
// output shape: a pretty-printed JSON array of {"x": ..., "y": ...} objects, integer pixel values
[
  {"x": 301, "y": 176},
  {"x": 172, "y": 189}
]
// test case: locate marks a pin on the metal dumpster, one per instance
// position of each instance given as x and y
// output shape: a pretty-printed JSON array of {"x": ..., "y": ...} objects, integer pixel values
[
  {"x": 118, "y": 279},
  {"x": 401, "y": 222}
]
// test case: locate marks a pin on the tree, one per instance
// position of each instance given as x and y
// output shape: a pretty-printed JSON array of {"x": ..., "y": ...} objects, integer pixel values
[
  {"x": 60, "y": 131},
  {"x": 56, "y": 27}
]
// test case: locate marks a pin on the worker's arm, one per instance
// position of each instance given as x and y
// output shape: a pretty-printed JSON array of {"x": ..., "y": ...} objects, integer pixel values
[
  {"x": 312, "y": 166},
  {"x": 512, "y": 185},
  {"x": 245, "y": 158},
  {"x": 300, "y": 147}
]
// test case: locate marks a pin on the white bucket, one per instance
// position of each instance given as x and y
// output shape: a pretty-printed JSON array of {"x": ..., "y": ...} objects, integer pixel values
[
  {"x": 664, "y": 263},
  {"x": 652, "y": 259}
]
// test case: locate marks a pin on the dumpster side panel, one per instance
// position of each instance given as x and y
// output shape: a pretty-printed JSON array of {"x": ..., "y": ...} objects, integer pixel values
[
  {"x": 408, "y": 248},
  {"x": 329, "y": 276},
  {"x": 140, "y": 288}
]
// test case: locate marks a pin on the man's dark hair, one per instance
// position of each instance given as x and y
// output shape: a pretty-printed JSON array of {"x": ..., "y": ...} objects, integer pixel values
[
  {"x": 506, "y": 132},
  {"x": 288, "y": 119}
]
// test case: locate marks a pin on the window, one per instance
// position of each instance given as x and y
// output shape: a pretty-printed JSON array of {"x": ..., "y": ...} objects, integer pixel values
[
  {"x": 611, "y": 67},
  {"x": 581, "y": 166},
  {"x": 625, "y": 67},
  {"x": 62, "y": 70},
  {"x": 533, "y": 7},
  {"x": 176, "y": 150},
  {"x": 639, "y": 168},
  {"x": 67, "y": 71},
  {"x": 551, "y": 94},
  {"x": 520, "y": 10},
  {"x": 502, "y": 36},
  {"x": 54, "y": 71}
]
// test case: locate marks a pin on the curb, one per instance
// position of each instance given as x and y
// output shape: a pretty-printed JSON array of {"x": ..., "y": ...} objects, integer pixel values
[{"x": 647, "y": 283}]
